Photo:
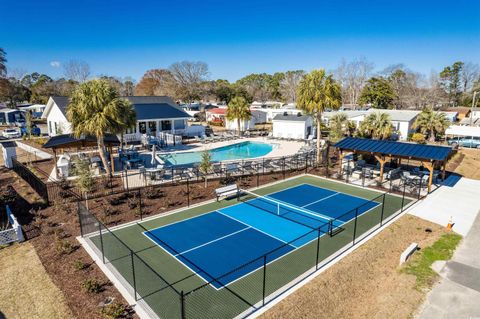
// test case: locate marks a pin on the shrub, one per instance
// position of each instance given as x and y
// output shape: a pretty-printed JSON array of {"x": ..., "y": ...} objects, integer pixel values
[
  {"x": 92, "y": 286},
  {"x": 80, "y": 265},
  {"x": 64, "y": 247},
  {"x": 418, "y": 138},
  {"x": 114, "y": 310},
  {"x": 228, "y": 180}
]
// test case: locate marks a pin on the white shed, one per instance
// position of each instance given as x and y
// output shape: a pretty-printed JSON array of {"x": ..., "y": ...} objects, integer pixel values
[
  {"x": 258, "y": 117},
  {"x": 292, "y": 126}
]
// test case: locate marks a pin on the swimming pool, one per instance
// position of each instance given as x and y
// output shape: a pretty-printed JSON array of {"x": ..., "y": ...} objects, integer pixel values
[{"x": 241, "y": 150}]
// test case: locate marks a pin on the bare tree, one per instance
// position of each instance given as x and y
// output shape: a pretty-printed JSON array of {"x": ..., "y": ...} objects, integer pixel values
[
  {"x": 470, "y": 74},
  {"x": 188, "y": 76},
  {"x": 76, "y": 70},
  {"x": 157, "y": 82},
  {"x": 353, "y": 76},
  {"x": 289, "y": 85}
]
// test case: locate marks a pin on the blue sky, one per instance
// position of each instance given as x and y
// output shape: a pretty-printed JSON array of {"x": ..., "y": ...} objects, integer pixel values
[{"x": 125, "y": 38}]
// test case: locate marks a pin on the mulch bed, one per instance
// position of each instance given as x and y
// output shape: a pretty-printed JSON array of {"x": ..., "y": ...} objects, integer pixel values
[{"x": 52, "y": 231}]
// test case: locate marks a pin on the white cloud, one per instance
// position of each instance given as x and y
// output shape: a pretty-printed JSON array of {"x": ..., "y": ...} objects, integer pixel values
[{"x": 55, "y": 64}]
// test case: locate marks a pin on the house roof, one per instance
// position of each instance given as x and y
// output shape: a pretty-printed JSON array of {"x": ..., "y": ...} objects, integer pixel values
[
  {"x": 159, "y": 111},
  {"x": 349, "y": 114},
  {"x": 68, "y": 140},
  {"x": 397, "y": 115},
  {"x": 291, "y": 117},
  {"x": 396, "y": 149},
  {"x": 146, "y": 107},
  {"x": 220, "y": 111},
  {"x": 459, "y": 109}
]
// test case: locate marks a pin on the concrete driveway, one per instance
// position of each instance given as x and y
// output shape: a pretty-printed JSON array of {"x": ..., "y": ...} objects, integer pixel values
[
  {"x": 458, "y": 293},
  {"x": 459, "y": 201}
]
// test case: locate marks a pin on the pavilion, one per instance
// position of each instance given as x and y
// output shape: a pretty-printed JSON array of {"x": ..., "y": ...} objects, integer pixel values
[{"x": 430, "y": 156}]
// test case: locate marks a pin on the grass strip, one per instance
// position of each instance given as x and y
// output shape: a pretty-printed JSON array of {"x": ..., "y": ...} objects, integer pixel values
[{"x": 420, "y": 264}]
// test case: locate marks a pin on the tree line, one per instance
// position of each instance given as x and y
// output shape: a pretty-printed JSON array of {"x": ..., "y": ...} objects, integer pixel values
[{"x": 395, "y": 87}]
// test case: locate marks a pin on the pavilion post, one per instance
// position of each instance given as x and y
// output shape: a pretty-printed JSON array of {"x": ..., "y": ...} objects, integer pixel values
[
  {"x": 112, "y": 164},
  {"x": 382, "y": 161},
  {"x": 429, "y": 166},
  {"x": 341, "y": 163},
  {"x": 443, "y": 170},
  {"x": 55, "y": 161}
]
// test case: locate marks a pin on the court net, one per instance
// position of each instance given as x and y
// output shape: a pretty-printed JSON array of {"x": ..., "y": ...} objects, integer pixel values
[{"x": 288, "y": 211}]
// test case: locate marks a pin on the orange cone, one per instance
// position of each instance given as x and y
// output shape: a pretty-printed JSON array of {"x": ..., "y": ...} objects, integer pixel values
[{"x": 450, "y": 223}]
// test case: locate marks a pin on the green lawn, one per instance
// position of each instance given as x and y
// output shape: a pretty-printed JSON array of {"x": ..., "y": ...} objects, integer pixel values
[
  {"x": 420, "y": 265},
  {"x": 155, "y": 268}
]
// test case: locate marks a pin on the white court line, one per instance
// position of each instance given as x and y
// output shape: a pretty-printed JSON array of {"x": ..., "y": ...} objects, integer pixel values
[
  {"x": 212, "y": 241},
  {"x": 237, "y": 220},
  {"x": 321, "y": 199}
]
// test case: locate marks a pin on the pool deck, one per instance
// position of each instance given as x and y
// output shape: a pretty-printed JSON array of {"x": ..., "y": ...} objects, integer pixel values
[{"x": 282, "y": 148}]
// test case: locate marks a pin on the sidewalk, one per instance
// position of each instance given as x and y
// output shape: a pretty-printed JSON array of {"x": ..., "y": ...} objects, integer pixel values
[
  {"x": 458, "y": 293},
  {"x": 460, "y": 201}
]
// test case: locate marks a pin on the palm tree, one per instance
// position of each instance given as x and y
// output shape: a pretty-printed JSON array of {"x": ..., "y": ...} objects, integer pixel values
[
  {"x": 340, "y": 126},
  {"x": 431, "y": 123},
  {"x": 238, "y": 109},
  {"x": 377, "y": 125},
  {"x": 3, "y": 61},
  {"x": 128, "y": 119},
  {"x": 317, "y": 92},
  {"x": 96, "y": 109}
]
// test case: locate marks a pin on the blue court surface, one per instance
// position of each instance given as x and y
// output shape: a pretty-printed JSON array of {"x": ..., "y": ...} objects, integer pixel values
[{"x": 216, "y": 244}]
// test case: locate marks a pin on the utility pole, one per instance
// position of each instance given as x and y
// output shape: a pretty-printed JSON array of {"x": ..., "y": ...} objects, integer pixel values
[{"x": 473, "y": 106}]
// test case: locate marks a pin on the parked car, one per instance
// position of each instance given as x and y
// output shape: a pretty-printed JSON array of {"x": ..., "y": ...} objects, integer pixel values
[
  {"x": 35, "y": 131},
  {"x": 11, "y": 133},
  {"x": 473, "y": 142}
]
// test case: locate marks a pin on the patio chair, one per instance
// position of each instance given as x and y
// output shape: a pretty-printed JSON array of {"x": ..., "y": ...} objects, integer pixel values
[{"x": 217, "y": 169}]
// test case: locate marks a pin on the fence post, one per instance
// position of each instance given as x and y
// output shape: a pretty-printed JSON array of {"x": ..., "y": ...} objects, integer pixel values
[
  {"x": 101, "y": 241},
  {"x": 283, "y": 167},
  {"x": 80, "y": 218},
  {"x": 347, "y": 170},
  {"x": 420, "y": 189},
  {"x": 182, "y": 302},
  {"x": 263, "y": 165},
  {"x": 403, "y": 195},
  {"x": 383, "y": 208},
  {"x": 257, "y": 176},
  {"x": 363, "y": 176},
  {"x": 134, "y": 279},
  {"x": 355, "y": 226},
  {"x": 318, "y": 249},
  {"x": 264, "y": 278},
  {"x": 188, "y": 191},
  {"x": 126, "y": 178},
  {"x": 140, "y": 203},
  {"x": 306, "y": 163}
]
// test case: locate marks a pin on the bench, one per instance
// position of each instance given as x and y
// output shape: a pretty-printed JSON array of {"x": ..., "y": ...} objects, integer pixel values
[
  {"x": 408, "y": 252},
  {"x": 226, "y": 191}
]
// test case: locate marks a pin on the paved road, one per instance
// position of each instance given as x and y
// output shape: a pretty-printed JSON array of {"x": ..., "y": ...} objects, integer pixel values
[{"x": 458, "y": 293}]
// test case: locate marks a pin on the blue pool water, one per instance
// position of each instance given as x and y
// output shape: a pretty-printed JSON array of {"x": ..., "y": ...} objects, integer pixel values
[{"x": 242, "y": 150}]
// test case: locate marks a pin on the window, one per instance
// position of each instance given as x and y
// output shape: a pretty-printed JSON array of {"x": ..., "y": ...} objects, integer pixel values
[
  {"x": 166, "y": 125},
  {"x": 152, "y": 127},
  {"x": 142, "y": 127}
]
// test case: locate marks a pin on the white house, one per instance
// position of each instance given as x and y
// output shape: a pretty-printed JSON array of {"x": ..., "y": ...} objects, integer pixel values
[
  {"x": 354, "y": 116},
  {"x": 402, "y": 120},
  {"x": 154, "y": 114},
  {"x": 296, "y": 126},
  {"x": 11, "y": 116},
  {"x": 36, "y": 109},
  {"x": 257, "y": 117}
]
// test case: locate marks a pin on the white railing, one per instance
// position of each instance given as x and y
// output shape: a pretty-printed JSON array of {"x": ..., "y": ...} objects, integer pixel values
[
  {"x": 12, "y": 234},
  {"x": 134, "y": 137}
]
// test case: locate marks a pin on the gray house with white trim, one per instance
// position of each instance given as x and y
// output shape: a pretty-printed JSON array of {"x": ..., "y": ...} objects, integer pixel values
[{"x": 155, "y": 114}]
